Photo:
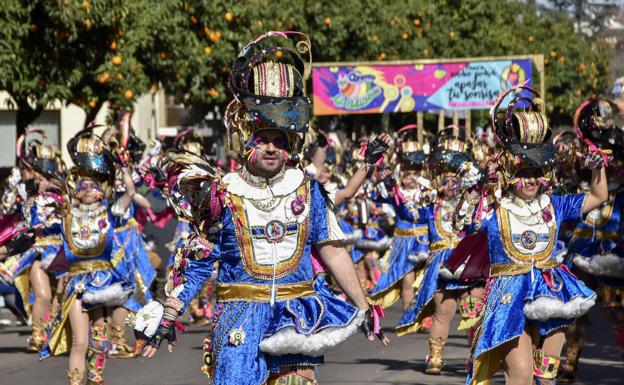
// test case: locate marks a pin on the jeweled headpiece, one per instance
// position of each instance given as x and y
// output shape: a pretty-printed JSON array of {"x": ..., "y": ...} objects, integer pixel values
[
  {"x": 91, "y": 156},
  {"x": 599, "y": 122},
  {"x": 450, "y": 150},
  {"x": 413, "y": 149},
  {"x": 40, "y": 157},
  {"x": 268, "y": 87},
  {"x": 524, "y": 134}
]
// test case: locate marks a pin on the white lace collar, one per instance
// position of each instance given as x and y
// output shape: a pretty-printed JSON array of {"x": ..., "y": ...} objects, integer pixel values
[
  {"x": 520, "y": 207},
  {"x": 260, "y": 188}
]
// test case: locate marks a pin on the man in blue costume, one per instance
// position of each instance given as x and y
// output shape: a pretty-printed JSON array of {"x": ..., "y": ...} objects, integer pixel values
[{"x": 273, "y": 321}]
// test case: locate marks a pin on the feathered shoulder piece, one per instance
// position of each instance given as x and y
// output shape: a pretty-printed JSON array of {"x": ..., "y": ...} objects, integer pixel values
[{"x": 193, "y": 189}]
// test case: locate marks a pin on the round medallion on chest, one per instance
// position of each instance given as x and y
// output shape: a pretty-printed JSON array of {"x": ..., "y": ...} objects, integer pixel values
[
  {"x": 528, "y": 239},
  {"x": 297, "y": 206},
  {"x": 275, "y": 231},
  {"x": 84, "y": 233}
]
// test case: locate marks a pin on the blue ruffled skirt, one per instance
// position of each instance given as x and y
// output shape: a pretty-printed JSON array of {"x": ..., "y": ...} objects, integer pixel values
[
  {"x": 405, "y": 254},
  {"x": 131, "y": 261},
  {"x": 550, "y": 300},
  {"x": 432, "y": 282},
  {"x": 291, "y": 333}
]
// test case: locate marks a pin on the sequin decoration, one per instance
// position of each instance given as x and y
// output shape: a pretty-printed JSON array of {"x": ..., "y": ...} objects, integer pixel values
[
  {"x": 237, "y": 336},
  {"x": 297, "y": 206},
  {"x": 84, "y": 233}
]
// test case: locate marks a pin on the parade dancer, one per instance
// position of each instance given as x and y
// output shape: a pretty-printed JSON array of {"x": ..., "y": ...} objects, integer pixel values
[
  {"x": 596, "y": 249},
  {"x": 530, "y": 297},
  {"x": 410, "y": 244},
  {"x": 43, "y": 170},
  {"x": 439, "y": 290},
  {"x": 260, "y": 222},
  {"x": 91, "y": 284}
]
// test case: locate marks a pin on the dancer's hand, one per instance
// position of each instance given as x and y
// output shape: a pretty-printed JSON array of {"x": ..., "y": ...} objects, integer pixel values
[
  {"x": 368, "y": 328},
  {"x": 166, "y": 330}
]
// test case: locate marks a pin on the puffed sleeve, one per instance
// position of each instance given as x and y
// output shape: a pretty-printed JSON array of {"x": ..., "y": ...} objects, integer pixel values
[
  {"x": 193, "y": 266},
  {"x": 568, "y": 207},
  {"x": 323, "y": 224}
]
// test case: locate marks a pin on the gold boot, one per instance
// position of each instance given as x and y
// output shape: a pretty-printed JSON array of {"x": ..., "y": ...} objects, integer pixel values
[
  {"x": 119, "y": 347},
  {"x": 75, "y": 377},
  {"x": 434, "y": 359},
  {"x": 36, "y": 340}
]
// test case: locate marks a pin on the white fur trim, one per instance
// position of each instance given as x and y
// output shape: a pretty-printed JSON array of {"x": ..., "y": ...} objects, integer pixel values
[
  {"x": 419, "y": 257},
  {"x": 560, "y": 256},
  {"x": 448, "y": 275},
  {"x": 111, "y": 295},
  {"x": 148, "y": 318},
  {"x": 288, "y": 341},
  {"x": 368, "y": 244},
  {"x": 544, "y": 308},
  {"x": 607, "y": 265}
]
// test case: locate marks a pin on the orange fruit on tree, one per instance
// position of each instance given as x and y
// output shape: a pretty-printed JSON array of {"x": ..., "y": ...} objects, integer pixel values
[
  {"x": 104, "y": 78},
  {"x": 87, "y": 23},
  {"x": 213, "y": 92},
  {"x": 128, "y": 94},
  {"x": 163, "y": 55},
  {"x": 405, "y": 36},
  {"x": 416, "y": 22},
  {"x": 229, "y": 17},
  {"x": 116, "y": 60},
  {"x": 328, "y": 21},
  {"x": 452, "y": 34},
  {"x": 207, "y": 50},
  {"x": 86, "y": 6},
  {"x": 382, "y": 56},
  {"x": 113, "y": 45},
  {"x": 92, "y": 103}
]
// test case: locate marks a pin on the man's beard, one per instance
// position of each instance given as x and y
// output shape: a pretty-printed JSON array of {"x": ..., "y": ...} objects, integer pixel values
[{"x": 259, "y": 168}]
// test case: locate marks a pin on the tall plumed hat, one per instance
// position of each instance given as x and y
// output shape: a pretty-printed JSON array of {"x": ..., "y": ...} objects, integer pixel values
[
  {"x": 523, "y": 133},
  {"x": 451, "y": 149},
  {"x": 599, "y": 122},
  {"x": 413, "y": 148},
  {"x": 38, "y": 155},
  {"x": 267, "y": 81}
]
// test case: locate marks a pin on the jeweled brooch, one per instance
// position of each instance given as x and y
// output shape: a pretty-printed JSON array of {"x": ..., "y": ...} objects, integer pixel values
[{"x": 237, "y": 336}]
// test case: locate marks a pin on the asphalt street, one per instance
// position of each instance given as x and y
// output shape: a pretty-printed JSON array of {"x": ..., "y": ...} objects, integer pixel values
[{"x": 355, "y": 362}]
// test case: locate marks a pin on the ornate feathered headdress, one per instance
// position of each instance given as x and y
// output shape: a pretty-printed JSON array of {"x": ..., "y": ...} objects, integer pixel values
[
  {"x": 38, "y": 156},
  {"x": 524, "y": 134},
  {"x": 269, "y": 93}
]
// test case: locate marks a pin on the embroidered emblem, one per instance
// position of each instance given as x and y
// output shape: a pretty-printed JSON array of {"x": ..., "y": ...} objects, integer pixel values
[
  {"x": 275, "y": 231},
  {"x": 297, "y": 206},
  {"x": 237, "y": 336},
  {"x": 528, "y": 239},
  {"x": 84, "y": 233},
  {"x": 506, "y": 299}
]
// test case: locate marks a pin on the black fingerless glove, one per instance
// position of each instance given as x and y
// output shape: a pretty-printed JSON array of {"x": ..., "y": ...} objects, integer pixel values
[
  {"x": 166, "y": 331},
  {"x": 375, "y": 151},
  {"x": 21, "y": 242}
]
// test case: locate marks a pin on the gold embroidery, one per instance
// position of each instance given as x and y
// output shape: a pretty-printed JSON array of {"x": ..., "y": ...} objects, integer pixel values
[
  {"x": 245, "y": 245},
  {"x": 513, "y": 268},
  {"x": 606, "y": 212},
  {"x": 511, "y": 250},
  {"x": 413, "y": 232},
  {"x": 262, "y": 293},
  {"x": 89, "y": 252}
]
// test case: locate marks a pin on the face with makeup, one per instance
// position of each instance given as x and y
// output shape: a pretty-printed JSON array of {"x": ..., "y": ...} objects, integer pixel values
[
  {"x": 88, "y": 191},
  {"x": 409, "y": 178},
  {"x": 267, "y": 154},
  {"x": 528, "y": 185},
  {"x": 448, "y": 186}
]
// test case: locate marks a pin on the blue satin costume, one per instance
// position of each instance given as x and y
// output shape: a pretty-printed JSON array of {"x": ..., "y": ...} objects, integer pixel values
[
  {"x": 91, "y": 278},
  {"x": 596, "y": 244},
  {"x": 278, "y": 328},
  {"x": 442, "y": 243},
  {"x": 131, "y": 260},
  {"x": 410, "y": 245},
  {"x": 525, "y": 286}
]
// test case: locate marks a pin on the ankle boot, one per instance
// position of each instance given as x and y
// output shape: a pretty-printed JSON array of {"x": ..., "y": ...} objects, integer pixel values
[
  {"x": 37, "y": 339},
  {"x": 434, "y": 359},
  {"x": 75, "y": 377},
  {"x": 119, "y": 347}
]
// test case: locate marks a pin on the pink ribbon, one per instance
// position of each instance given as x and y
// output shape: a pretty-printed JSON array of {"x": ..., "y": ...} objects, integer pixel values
[
  {"x": 594, "y": 149},
  {"x": 378, "y": 314},
  {"x": 398, "y": 195}
]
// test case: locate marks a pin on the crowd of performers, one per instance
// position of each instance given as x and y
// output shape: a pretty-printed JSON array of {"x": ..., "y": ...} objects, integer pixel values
[{"x": 306, "y": 236}]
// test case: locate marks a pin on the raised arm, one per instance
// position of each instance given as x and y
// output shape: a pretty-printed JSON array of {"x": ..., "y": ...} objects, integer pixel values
[{"x": 599, "y": 190}]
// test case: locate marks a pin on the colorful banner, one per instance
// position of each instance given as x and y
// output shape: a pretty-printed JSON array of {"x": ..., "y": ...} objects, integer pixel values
[{"x": 379, "y": 88}]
